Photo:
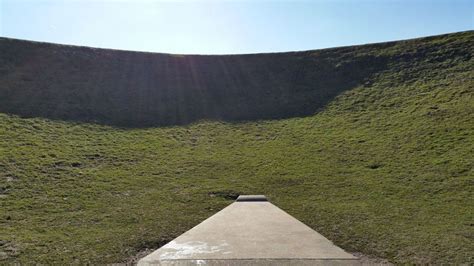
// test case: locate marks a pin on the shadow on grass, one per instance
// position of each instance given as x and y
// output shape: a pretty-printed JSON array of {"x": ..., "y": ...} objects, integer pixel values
[{"x": 134, "y": 89}]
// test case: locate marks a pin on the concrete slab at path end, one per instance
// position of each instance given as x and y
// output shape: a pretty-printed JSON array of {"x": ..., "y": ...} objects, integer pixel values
[{"x": 250, "y": 231}]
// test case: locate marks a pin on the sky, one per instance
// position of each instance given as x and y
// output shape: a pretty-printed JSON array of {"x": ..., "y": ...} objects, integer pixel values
[{"x": 230, "y": 27}]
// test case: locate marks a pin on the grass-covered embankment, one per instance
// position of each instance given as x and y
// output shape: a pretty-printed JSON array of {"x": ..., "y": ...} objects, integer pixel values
[{"x": 384, "y": 169}]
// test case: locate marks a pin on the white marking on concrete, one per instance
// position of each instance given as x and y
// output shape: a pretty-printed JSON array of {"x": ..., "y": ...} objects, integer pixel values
[{"x": 175, "y": 250}]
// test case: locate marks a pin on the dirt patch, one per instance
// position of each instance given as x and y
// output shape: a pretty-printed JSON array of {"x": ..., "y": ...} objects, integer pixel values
[
  {"x": 143, "y": 250},
  {"x": 369, "y": 260},
  {"x": 225, "y": 194},
  {"x": 133, "y": 260},
  {"x": 8, "y": 250}
]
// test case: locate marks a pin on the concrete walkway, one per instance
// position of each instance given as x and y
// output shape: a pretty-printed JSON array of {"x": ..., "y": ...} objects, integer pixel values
[{"x": 250, "y": 231}]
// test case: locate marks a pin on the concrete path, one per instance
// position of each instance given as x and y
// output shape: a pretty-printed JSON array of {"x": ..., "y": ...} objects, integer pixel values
[{"x": 250, "y": 231}]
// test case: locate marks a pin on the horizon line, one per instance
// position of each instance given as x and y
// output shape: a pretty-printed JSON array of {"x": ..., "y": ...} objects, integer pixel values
[{"x": 230, "y": 54}]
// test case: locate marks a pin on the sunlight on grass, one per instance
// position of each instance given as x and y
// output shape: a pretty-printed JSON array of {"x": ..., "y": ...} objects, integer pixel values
[{"x": 385, "y": 169}]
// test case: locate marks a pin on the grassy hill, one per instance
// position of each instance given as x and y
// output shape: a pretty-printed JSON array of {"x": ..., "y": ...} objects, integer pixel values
[
  {"x": 132, "y": 89},
  {"x": 107, "y": 153}
]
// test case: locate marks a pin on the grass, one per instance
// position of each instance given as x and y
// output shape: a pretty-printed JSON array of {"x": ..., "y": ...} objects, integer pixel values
[{"x": 384, "y": 169}]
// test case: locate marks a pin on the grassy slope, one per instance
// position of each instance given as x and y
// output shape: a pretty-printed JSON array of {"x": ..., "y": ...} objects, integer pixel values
[
  {"x": 134, "y": 89},
  {"x": 385, "y": 169}
]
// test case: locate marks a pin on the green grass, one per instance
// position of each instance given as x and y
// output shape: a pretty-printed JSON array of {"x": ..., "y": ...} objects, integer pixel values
[{"x": 384, "y": 169}]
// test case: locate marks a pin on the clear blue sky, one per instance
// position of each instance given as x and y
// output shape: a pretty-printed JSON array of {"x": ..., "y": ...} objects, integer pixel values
[{"x": 218, "y": 27}]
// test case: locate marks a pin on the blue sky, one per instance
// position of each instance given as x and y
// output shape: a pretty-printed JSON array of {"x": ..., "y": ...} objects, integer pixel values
[{"x": 222, "y": 27}]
